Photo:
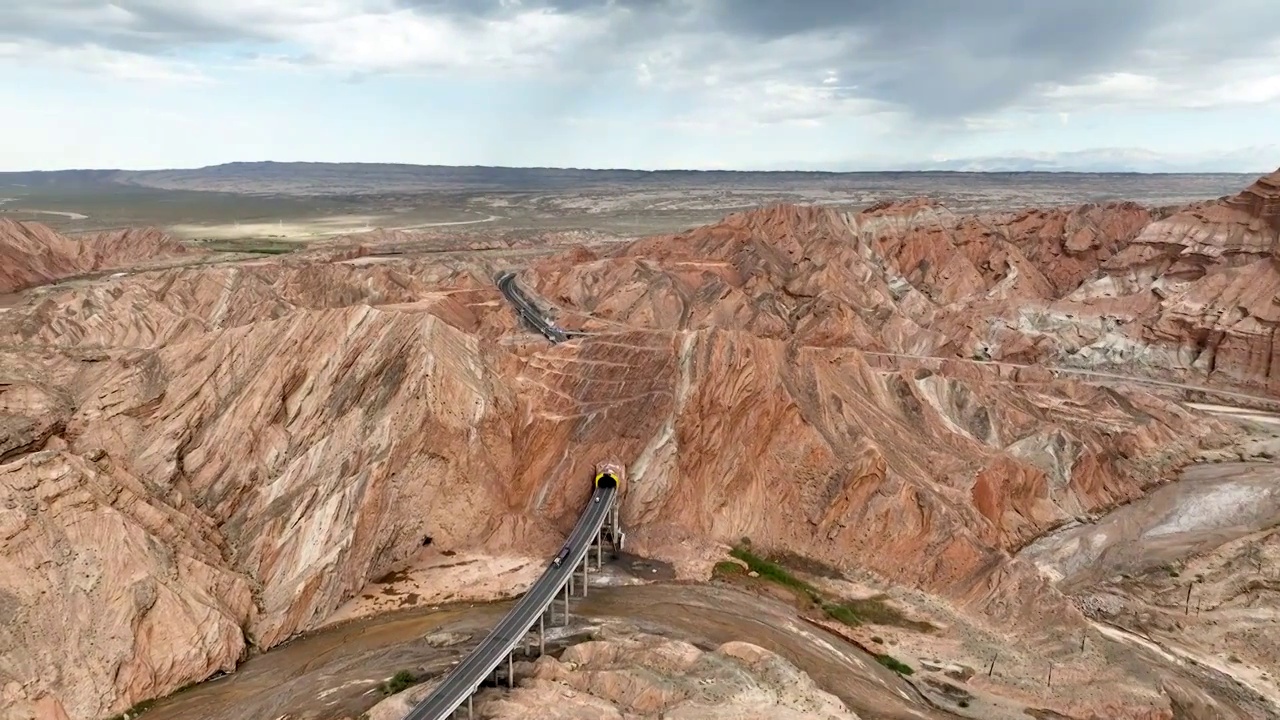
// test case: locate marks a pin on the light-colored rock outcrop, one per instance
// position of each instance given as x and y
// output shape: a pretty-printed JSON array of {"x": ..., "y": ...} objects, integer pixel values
[
  {"x": 1205, "y": 282},
  {"x": 643, "y": 676}
]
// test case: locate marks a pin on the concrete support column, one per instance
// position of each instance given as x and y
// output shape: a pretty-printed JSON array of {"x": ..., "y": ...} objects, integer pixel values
[
  {"x": 470, "y": 709},
  {"x": 511, "y": 672},
  {"x": 600, "y": 549},
  {"x": 586, "y": 563},
  {"x": 566, "y": 604},
  {"x": 542, "y": 634}
]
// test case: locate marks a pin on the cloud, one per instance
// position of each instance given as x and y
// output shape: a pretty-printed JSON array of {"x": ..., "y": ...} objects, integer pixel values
[
  {"x": 98, "y": 60},
  {"x": 743, "y": 61},
  {"x": 1231, "y": 82},
  {"x": 404, "y": 41}
]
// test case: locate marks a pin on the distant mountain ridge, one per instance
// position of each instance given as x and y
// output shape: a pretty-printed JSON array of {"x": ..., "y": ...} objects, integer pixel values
[{"x": 313, "y": 178}]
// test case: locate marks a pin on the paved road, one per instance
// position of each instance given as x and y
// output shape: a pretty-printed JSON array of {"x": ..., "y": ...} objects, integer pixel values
[
  {"x": 465, "y": 677},
  {"x": 507, "y": 284}
]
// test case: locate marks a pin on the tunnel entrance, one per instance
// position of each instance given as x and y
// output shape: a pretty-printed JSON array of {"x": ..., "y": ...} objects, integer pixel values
[{"x": 606, "y": 480}]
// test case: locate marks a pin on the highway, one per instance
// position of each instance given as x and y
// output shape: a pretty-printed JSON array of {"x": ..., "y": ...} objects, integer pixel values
[
  {"x": 465, "y": 678},
  {"x": 527, "y": 311}
]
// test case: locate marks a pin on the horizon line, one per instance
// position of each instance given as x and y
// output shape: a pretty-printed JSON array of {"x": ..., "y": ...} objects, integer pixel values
[{"x": 653, "y": 171}]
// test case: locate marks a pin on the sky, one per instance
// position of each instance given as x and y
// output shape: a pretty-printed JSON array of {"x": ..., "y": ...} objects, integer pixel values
[{"x": 705, "y": 84}]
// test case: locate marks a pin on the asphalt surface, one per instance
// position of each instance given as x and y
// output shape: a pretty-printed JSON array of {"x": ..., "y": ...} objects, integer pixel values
[
  {"x": 466, "y": 676},
  {"x": 526, "y": 309}
]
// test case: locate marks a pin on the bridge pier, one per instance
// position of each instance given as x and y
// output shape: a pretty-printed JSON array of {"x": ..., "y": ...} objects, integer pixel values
[
  {"x": 616, "y": 536},
  {"x": 538, "y": 606}
]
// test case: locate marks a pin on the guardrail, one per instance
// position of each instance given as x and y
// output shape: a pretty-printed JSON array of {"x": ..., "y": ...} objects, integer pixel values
[
  {"x": 465, "y": 678},
  {"x": 527, "y": 310}
]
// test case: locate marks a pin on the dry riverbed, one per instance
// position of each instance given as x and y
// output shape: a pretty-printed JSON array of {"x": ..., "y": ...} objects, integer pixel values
[
  {"x": 1191, "y": 572},
  {"x": 337, "y": 672}
]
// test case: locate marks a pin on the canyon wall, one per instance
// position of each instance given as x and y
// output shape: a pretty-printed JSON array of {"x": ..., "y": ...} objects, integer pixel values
[{"x": 199, "y": 460}]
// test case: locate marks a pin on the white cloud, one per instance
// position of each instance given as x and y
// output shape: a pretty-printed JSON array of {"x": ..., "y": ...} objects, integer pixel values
[
  {"x": 99, "y": 60},
  {"x": 908, "y": 79},
  {"x": 1170, "y": 85},
  {"x": 407, "y": 42},
  {"x": 344, "y": 36},
  {"x": 644, "y": 76}
]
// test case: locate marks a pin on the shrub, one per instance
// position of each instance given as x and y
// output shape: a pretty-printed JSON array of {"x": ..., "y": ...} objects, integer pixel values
[
  {"x": 873, "y": 610},
  {"x": 399, "y": 682},
  {"x": 773, "y": 572},
  {"x": 842, "y": 613},
  {"x": 895, "y": 664},
  {"x": 727, "y": 568}
]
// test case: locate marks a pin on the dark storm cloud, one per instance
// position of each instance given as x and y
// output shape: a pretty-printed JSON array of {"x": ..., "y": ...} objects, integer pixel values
[
  {"x": 945, "y": 58},
  {"x": 935, "y": 58},
  {"x": 941, "y": 58}
]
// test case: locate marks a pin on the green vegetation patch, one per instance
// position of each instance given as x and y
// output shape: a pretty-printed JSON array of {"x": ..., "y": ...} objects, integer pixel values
[
  {"x": 894, "y": 664},
  {"x": 877, "y": 611},
  {"x": 399, "y": 682},
  {"x": 842, "y": 613},
  {"x": 774, "y": 572},
  {"x": 727, "y": 569},
  {"x": 259, "y": 247},
  {"x": 807, "y": 565},
  {"x": 874, "y": 610}
]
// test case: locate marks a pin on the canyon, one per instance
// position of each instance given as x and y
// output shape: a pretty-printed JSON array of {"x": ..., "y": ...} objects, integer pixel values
[{"x": 203, "y": 458}]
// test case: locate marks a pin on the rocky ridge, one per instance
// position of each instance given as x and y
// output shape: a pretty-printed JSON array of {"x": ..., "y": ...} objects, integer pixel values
[
  {"x": 253, "y": 434},
  {"x": 32, "y": 254}
]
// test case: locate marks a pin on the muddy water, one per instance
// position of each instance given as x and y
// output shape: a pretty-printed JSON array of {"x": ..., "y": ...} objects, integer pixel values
[{"x": 335, "y": 673}]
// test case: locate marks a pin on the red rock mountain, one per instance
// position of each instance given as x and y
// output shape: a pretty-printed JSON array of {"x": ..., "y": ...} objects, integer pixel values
[
  {"x": 196, "y": 460},
  {"x": 32, "y": 254}
]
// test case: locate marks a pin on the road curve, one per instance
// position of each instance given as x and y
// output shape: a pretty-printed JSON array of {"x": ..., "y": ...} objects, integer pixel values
[
  {"x": 465, "y": 678},
  {"x": 527, "y": 311}
]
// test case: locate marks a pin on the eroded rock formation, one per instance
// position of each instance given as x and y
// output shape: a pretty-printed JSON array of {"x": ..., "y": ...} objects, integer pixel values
[
  {"x": 256, "y": 441},
  {"x": 32, "y": 254}
]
